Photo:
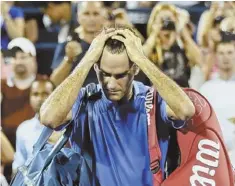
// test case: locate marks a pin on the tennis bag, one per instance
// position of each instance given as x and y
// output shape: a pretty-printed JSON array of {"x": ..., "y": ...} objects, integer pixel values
[{"x": 204, "y": 160}]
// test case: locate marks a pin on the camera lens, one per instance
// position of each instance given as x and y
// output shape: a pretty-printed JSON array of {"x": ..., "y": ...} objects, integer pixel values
[{"x": 168, "y": 24}]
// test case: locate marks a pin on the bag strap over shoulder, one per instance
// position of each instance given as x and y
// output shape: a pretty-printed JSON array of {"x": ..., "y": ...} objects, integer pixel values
[
  {"x": 154, "y": 149},
  {"x": 93, "y": 96}
]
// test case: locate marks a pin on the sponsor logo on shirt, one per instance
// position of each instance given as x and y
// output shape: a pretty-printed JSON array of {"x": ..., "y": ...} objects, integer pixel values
[
  {"x": 149, "y": 103},
  {"x": 208, "y": 156}
]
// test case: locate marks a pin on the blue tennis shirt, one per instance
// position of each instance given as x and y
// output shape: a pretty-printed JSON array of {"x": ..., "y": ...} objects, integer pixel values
[{"x": 120, "y": 139}]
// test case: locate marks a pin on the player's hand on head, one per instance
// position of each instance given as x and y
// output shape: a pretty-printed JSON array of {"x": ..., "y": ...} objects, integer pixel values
[
  {"x": 96, "y": 48},
  {"x": 132, "y": 43}
]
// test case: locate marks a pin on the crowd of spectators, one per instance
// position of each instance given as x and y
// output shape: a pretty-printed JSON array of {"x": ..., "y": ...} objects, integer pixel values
[{"x": 42, "y": 42}]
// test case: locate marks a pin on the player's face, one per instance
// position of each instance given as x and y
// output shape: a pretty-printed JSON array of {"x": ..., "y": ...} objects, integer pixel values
[{"x": 115, "y": 75}]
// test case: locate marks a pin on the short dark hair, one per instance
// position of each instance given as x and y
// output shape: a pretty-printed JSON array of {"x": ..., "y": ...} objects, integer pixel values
[{"x": 115, "y": 46}]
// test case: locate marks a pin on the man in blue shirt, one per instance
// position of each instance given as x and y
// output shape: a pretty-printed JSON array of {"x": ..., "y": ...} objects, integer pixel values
[{"x": 120, "y": 139}]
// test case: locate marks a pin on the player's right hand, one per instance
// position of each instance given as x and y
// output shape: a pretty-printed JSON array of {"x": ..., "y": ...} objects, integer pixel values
[{"x": 97, "y": 45}]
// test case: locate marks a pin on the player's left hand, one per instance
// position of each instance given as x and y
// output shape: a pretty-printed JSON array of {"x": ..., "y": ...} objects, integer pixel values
[{"x": 132, "y": 43}]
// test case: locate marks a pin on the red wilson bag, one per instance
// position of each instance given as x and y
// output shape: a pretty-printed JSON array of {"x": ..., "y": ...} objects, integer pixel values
[{"x": 204, "y": 159}]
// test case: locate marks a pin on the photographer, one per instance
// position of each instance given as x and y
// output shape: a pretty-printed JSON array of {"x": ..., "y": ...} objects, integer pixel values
[
  {"x": 170, "y": 45},
  {"x": 209, "y": 23},
  {"x": 210, "y": 69}
]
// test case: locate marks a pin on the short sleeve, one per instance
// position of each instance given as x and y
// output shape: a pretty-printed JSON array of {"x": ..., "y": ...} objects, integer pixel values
[
  {"x": 16, "y": 12},
  {"x": 177, "y": 124}
]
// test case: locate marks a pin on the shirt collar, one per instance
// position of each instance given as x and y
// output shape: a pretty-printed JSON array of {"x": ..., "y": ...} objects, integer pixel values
[{"x": 129, "y": 105}]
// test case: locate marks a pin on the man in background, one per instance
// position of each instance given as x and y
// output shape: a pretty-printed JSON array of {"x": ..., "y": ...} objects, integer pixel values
[
  {"x": 29, "y": 131},
  {"x": 68, "y": 54},
  {"x": 15, "y": 89},
  {"x": 220, "y": 92}
]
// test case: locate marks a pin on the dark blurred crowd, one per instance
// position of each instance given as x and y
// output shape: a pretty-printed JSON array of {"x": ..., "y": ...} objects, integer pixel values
[{"x": 42, "y": 42}]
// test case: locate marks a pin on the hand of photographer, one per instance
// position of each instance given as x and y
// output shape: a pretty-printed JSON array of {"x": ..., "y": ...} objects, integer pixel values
[
  {"x": 152, "y": 39},
  {"x": 193, "y": 52},
  {"x": 156, "y": 28}
]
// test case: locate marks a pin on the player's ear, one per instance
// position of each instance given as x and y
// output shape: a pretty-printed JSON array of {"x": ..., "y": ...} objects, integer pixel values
[
  {"x": 136, "y": 69},
  {"x": 96, "y": 67}
]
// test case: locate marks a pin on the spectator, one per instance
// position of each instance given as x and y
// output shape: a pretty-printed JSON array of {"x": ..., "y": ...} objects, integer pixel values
[
  {"x": 62, "y": 13},
  {"x": 15, "y": 89},
  {"x": 209, "y": 23},
  {"x": 91, "y": 19},
  {"x": 28, "y": 132},
  {"x": 220, "y": 92},
  {"x": 227, "y": 29},
  {"x": 12, "y": 23},
  {"x": 209, "y": 68},
  {"x": 208, "y": 34},
  {"x": 170, "y": 45}
]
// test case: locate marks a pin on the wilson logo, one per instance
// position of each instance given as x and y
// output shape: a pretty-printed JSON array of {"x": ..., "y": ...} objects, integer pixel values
[
  {"x": 149, "y": 103},
  {"x": 208, "y": 155}
]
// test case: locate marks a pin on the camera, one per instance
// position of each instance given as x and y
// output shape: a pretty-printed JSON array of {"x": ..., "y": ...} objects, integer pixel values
[
  {"x": 227, "y": 36},
  {"x": 218, "y": 20},
  {"x": 168, "y": 24}
]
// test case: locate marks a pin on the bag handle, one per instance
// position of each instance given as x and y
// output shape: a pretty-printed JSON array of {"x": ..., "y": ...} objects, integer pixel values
[{"x": 90, "y": 126}]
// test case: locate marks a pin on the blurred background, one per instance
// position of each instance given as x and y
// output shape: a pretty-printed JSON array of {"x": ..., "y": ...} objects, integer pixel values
[{"x": 193, "y": 42}]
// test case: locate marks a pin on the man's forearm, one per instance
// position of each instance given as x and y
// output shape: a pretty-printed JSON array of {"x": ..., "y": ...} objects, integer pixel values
[
  {"x": 61, "y": 72},
  {"x": 174, "y": 96},
  {"x": 59, "y": 103}
]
